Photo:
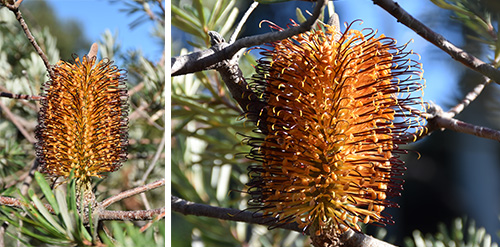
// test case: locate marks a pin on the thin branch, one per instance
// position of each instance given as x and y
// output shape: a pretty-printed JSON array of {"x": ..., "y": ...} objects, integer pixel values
[
  {"x": 232, "y": 76},
  {"x": 27, "y": 181},
  {"x": 459, "y": 126},
  {"x": 24, "y": 102},
  {"x": 146, "y": 226},
  {"x": 437, "y": 119},
  {"x": 471, "y": 96},
  {"x": 18, "y": 3},
  {"x": 135, "y": 89},
  {"x": 103, "y": 215},
  {"x": 201, "y": 60},
  {"x": 160, "y": 3},
  {"x": 151, "y": 166},
  {"x": 349, "y": 238},
  {"x": 14, "y": 120},
  {"x": 242, "y": 22},
  {"x": 190, "y": 208},
  {"x": 153, "y": 162},
  {"x": 438, "y": 40},
  {"x": 15, "y": 9},
  {"x": 10, "y": 202},
  {"x": 20, "y": 96},
  {"x": 128, "y": 193},
  {"x": 140, "y": 112},
  {"x": 131, "y": 215}
]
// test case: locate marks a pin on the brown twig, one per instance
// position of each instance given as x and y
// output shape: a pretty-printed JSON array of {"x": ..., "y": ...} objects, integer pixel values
[
  {"x": 128, "y": 193},
  {"x": 16, "y": 203},
  {"x": 146, "y": 226},
  {"x": 139, "y": 112},
  {"x": 26, "y": 103},
  {"x": 131, "y": 215},
  {"x": 459, "y": 126},
  {"x": 232, "y": 76},
  {"x": 14, "y": 120},
  {"x": 10, "y": 202},
  {"x": 103, "y": 215},
  {"x": 15, "y": 9},
  {"x": 437, "y": 119},
  {"x": 202, "y": 60},
  {"x": 190, "y": 208},
  {"x": 160, "y": 3},
  {"x": 28, "y": 179},
  {"x": 154, "y": 160},
  {"x": 136, "y": 89},
  {"x": 20, "y": 96},
  {"x": 438, "y": 40},
  {"x": 471, "y": 96},
  {"x": 349, "y": 238}
]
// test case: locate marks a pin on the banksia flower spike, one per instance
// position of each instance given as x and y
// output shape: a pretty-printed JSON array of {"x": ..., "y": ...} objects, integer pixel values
[
  {"x": 337, "y": 108},
  {"x": 83, "y": 121}
]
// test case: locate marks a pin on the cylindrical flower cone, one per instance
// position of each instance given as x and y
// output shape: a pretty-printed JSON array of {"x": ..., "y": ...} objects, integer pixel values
[
  {"x": 83, "y": 122},
  {"x": 336, "y": 111}
]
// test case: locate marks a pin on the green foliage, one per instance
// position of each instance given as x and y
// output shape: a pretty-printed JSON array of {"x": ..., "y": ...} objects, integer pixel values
[
  {"x": 479, "y": 16},
  {"x": 23, "y": 72},
  {"x": 126, "y": 234},
  {"x": 10, "y": 158},
  {"x": 63, "y": 228},
  {"x": 68, "y": 32},
  {"x": 460, "y": 234},
  {"x": 143, "y": 9},
  {"x": 203, "y": 16}
]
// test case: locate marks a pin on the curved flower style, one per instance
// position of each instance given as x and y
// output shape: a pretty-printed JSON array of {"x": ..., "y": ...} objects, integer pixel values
[
  {"x": 83, "y": 120},
  {"x": 336, "y": 111}
]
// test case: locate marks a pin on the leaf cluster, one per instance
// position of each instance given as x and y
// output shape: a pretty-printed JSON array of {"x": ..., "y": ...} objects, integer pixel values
[
  {"x": 37, "y": 224},
  {"x": 23, "y": 72},
  {"x": 461, "y": 233},
  {"x": 479, "y": 16}
]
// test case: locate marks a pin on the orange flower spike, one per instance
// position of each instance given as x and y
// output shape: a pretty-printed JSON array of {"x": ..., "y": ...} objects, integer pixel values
[
  {"x": 332, "y": 123},
  {"x": 83, "y": 120}
]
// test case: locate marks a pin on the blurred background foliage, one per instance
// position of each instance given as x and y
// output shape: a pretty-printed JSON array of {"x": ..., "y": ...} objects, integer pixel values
[
  {"x": 22, "y": 72},
  {"x": 456, "y": 174}
]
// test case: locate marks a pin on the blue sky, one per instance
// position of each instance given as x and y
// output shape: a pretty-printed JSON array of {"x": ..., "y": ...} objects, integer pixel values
[{"x": 98, "y": 15}]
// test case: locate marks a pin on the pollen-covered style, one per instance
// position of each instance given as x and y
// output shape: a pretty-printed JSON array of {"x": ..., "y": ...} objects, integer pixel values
[
  {"x": 83, "y": 119},
  {"x": 336, "y": 111}
]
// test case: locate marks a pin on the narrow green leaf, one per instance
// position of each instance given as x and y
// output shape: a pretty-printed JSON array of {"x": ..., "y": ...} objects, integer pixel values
[
  {"x": 184, "y": 26},
  {"x": 93, "y": 224},
  {"x": 214, "y": 15},
  {"x": 185, "y": 16},
  {"x": 300, "y": 17},
  {"x": 47, "y": 191},
  {"x": 64, "y": 211},
  {"x": 118, "y": 232},
  {"x": 201, "y": 15},
  {"x": 223, "y": 16},
  {"x": 41, "y": 208},
  {"x": 229, "y": 22}
]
